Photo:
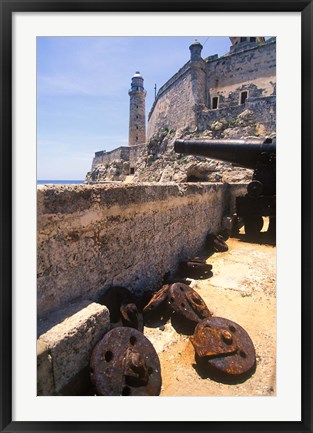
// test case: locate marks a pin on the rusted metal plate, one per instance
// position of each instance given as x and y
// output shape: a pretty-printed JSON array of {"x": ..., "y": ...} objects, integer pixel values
[
  {"x": 216, "y": 243},
  {"x": 220, "y": 244},
  {"x": 212, "y": 341},
  {"x": 224, "y": 345},
  {"x": 124, "y": 362},
  {"x": 195, "y": 268},
  {"x": 158, "y": 300},
  {"x": 131, "y": 316},
  {"x": 187, "y": 303}
]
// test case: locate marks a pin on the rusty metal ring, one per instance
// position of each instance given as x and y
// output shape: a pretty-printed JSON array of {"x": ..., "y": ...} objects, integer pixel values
[
  {"x": 224, "y": 345},
  {"x": 187, "y": 303},
  {"x": 157, "y": 299},
  {"x": 125, "y": 362}
]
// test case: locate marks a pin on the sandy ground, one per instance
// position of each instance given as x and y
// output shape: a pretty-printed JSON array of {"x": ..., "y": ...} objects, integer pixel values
[{"x": 242, "y": 289}]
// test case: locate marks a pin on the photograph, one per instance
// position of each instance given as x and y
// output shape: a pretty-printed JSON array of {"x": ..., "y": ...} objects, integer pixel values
[
  {"x": 156, "y": 176},
  {"x": 143, "y": 251}
]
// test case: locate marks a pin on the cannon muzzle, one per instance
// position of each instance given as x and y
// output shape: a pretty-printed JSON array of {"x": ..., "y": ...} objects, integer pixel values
[{"x": 243, "y": 152}]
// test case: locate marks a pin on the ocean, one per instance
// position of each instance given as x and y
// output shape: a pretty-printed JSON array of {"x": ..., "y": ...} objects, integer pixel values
[{"x": 59, "y": 182}]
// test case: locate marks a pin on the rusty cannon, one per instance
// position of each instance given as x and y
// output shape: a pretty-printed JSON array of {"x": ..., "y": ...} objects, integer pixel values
[{"x": 258, "y": 154}]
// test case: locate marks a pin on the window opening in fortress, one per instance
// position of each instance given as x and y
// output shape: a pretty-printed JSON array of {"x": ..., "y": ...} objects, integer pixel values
[
  {"x": 132, "y": 170},
  {"x": 243, "y": 39},
  {"x": 252, "y": 39},
  {"x": 214, "y": 102},
  {"x": 243, "y": 97}
]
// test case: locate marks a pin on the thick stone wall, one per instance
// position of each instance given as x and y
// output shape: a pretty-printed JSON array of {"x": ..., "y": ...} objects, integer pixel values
[
  {"x": 134, "y": 154},
  {"x": 180, "y": 101},
  {"x": 252, "y": 70},
  {"x": 126, "y": 153},
  {"x": 174, "y": 106},
  {"x": 94, "y": 237},
  {"x": 104, "y": 157},
  {"x": 264, "y": 113}
]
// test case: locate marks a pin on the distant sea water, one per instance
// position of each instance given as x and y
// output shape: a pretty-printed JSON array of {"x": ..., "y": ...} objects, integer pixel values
[{"x": 59, "y": 182}]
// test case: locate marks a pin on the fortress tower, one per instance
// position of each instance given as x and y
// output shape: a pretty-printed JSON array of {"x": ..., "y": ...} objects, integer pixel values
[
  {"x": 137, "y": 111},
  {"x": 244, "y": 42},
  {"x": 195, "y": 51},
  {"x": 208, "y": 90}
]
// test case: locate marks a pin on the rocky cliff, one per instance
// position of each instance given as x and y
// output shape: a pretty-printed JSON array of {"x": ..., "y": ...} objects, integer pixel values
[{"x": 157, "y": 161}]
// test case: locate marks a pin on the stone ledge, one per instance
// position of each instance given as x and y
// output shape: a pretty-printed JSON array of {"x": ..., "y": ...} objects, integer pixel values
[
  {"x": 45, "y": 381},
  {"x": 64, "y": 350}
]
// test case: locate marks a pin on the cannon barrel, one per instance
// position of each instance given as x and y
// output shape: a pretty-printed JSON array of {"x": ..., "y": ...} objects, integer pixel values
[{"x": 241, "y": 152}]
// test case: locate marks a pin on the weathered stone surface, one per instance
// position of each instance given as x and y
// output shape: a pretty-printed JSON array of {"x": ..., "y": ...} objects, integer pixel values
[
  {"x": 231, "y": 96},
  {"x": 70, "y": 342},
  {"x": 93, "y": 237},
  {"x": 186, "y": 99},
  {"x": 45, "y": 381},
  {"x": 157, "y": 161},
  {"x": 170, "y": 109},
  {"x": 113, "y": 165},
  {"x": 137, "y": 116}
]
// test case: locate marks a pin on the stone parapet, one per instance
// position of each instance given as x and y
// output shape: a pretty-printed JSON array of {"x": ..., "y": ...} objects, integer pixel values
[{"x": 93, "y": 237}]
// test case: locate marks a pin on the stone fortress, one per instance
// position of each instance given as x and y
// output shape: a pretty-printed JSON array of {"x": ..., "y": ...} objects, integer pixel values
[
  {"x": 91, "y": 238},
  {"x": 231, "y": 96}
]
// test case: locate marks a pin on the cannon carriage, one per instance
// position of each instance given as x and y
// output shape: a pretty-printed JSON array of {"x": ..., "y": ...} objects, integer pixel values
[{"x": 258, "y": 154}]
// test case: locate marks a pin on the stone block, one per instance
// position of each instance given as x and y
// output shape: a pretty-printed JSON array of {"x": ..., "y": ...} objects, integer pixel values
[
  {"x": 45, "y": 381},
  {"x": 71, "y": 341}
]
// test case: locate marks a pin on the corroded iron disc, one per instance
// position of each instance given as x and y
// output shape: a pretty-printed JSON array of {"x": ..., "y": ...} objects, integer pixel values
[
  {"x": 131, "y": 316},
  {"x": 124, "y": 362},
  {"x": 216, "y": 243},
  {"x": 224, "y": 346},
  {"x": 157, "y": 300},
  {"x": 187, "y": 303},
  {"x": 195, "y": 268}
]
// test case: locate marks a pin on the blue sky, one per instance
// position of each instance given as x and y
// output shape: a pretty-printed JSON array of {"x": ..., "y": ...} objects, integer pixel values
[{"x": 82, "y": 99}]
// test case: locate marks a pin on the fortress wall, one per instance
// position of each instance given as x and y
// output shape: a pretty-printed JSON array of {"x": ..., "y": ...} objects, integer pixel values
[
  {"x": 253, "y": 70},
  {"x": 107, "y": 157},
  {"x": 135, "y": 153},
  {"x": 264, "y": 110},
  {"x": 98, "y": 159},
  {"x": 174, "y": 105},
  {"x": 94, "y": 237},
  {"x": 183, "y": 97},
  {"x": 126, "y": 153}
]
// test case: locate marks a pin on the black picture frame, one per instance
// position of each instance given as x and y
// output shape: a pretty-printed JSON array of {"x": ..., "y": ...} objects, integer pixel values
[{"x": 7, "y": 8}]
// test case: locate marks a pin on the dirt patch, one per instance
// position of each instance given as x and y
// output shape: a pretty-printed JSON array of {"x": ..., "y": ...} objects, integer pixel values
[{"x": 242, "y": 289}]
